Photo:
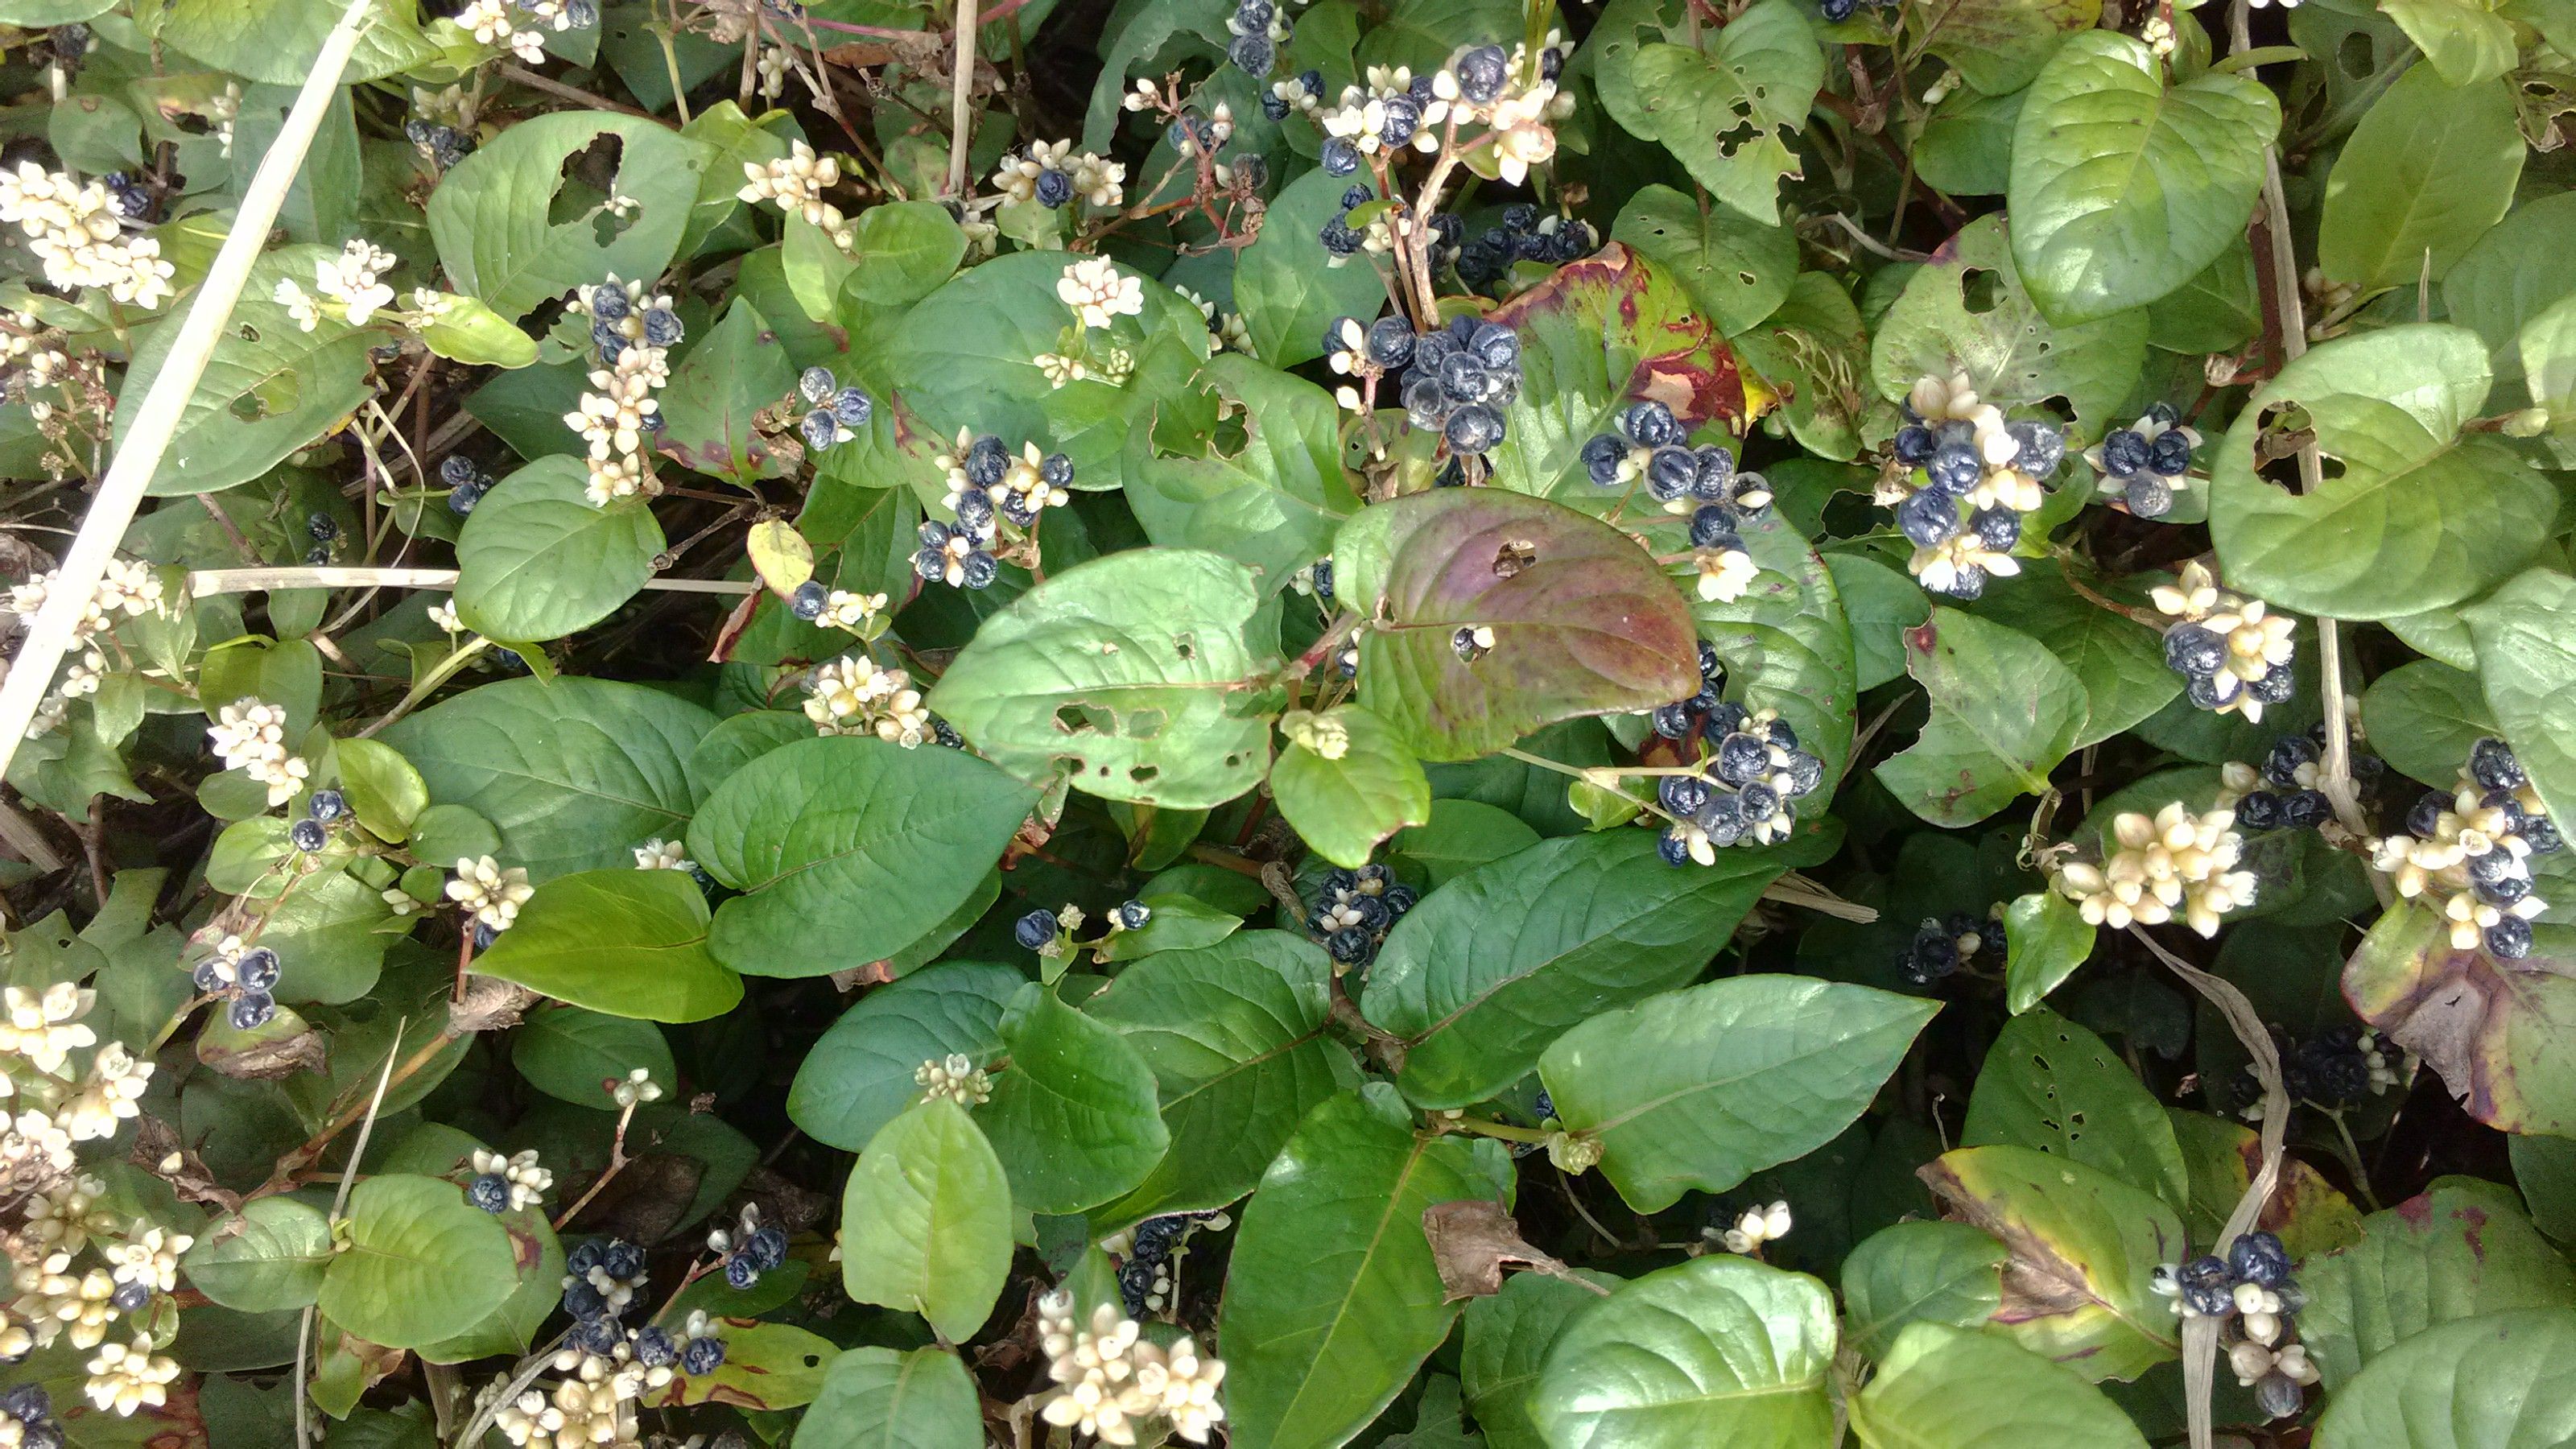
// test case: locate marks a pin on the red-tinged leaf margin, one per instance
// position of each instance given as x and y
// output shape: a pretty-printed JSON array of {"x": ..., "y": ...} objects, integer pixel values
[{"x": 2502, "y": 1034}]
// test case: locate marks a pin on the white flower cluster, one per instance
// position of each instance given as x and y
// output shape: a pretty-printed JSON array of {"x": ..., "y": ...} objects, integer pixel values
[
  {"x": 2250, "y": 665},
  {"x": 28, "y": 354},
  {"x": 528, "y": 1182},
  {"x": 1758, "y": 1226},
  {"x": 55, "y": 1108},
  {"x": 660, "y": 854},
  {"x": 1113, "y": 366},
  {"x": 852, "y": 696},
  {"x": 860, "y": 614},
  {"x": 1225, "y": 329},
  {"x": 126, "y": 590},
  {"x": 489, "y": 22},
  {"x": 638, "y": 1088},
  {"x": 349, "y": 279},
  {"x": 956, "y": 1078},
  {"x": 124, "y": 1377},
  {"x": 797, "y": 181},
  {"x": 1110, "y": 1378},
  {"x": 593, "y": 1403},
  {"x": 2469, "y": 853},
  {"x": 75, "y": 231},
  {"x": 1100, "y": 182},
  {"x": 490, "y": 895},
  {"x": 619, "y": 411},
  {"x": 1099, "y": 293},
  {"x": 250, "y": 736},
  {"x": 2177, "y": 862},
  {"x": 56, "y": 1297}
]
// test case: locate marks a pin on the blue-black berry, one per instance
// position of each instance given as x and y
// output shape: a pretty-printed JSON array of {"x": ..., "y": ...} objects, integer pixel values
[
  {"x": 490, "y": 1192},
  {"x": 307, "y": 835},
  {"x": 808, "y": 600},
  {"x": 1132, "y": 915},
  {"x": 1482, "y": 73},
  {"x": 252, "y": 1009},
  {"x": 1034, "y": 930},
  {"x": 327, "y": 805}
]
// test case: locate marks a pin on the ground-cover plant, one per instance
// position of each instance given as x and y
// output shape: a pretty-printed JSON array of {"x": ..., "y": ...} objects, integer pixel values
[{"x": 1287, "y": 722}]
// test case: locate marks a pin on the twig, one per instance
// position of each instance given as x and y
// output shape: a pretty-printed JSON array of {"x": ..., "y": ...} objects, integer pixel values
[
  {"x": 120, "y": 493},
  {"x": 249, "y": 581},
  {"x": 535, "y": 82},
  {"x": 961, "y": 111},
  {"x": 339, "y": 1202},
  {"x": 617, "y": 1161},
  {"x": 2200, "y": 1334},
  {"x": 1796, "y": 890}
]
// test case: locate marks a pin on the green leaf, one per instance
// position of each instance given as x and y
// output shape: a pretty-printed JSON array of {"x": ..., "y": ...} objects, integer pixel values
[
  {"x": 1736, "y": 269},
  {"x": 1234, "y": 1036},
  {"x": 2004, "y": 712},
  {"x": 2548, "y": 357},
  {"x": 2050, "y": 1085},
  {"x": 1717, "y": 1350},
  {"x": 2122, "y": 189},
  {"x": 848, "y": 848},
  {"x": 1966, "y": 311},
  {"x": 1332, "y": 1299},
  {"x": 1502, "y": 960},
  {"x": 2045, "y": 939},
  {"x": 1965, "y": 147},
  {"x": 905, "y": 250},
  {"x": 2528, "y": 662},
  {"x": 2513, "y": 274},
  {"x": 2501, "y": 1034},
  {"x": 2461, "y": 1250},
  {"x": 2000, "y": 46},
  {"x": 276, "y": 42},
  {"x": 2466, "y": 41},
  {"x": 1508, "y": 1336},
  {"x": 283, "y": 672},
  {"x": 1369, "y": 787},
  {"x": 2428, "y": 170},
  {"x": 422, "y": 1264},
  {"x": 494, "y": 216},
  {"x": 1074, "y": 1116},
  {"x": 538, "y": 560},
  {"x": 624, "y": 942},
  {"x": 1704, "y": 1087},
  {"x": 1137, "y": 666},
  {"x": 2216, "y": 311},
  {"x": 1597, "y": 335},
  {"x": 1285, "y": 284},
  {"x": 2494, "y": 1382},
  {"x": 384, "y": 791},
  {"x": 767, "y": 1367},
  {"x": 858, "y": 1076},
  {"x": 2424, "y": 716},
  {"x": 269, "y": 1256},
  {"x": 926, "y": 1220},
  {"x": 1881, "y": 603},
  {"x": 574, "y": 773},
  {"x": 578, "y": 1056},
  {"x": 469, "y": 332},
  {"x": 1948, "y": 1388},
  {"x": 270, "y": 388},
  {"x": 737, "y": 369},
  {"x": 1584, "y": 622},
  {"x": 1920, "y": 1272},
  {"x": 330, "y": 932},
  {"x": 878, "y": 1398},
  {"x": 2085, "y": 1248},
  {"x": 2419, "y": 514},
  {"x": 1274, "y": 501},
  {"x": 2307, "y": 1214},
  {"x": 1726, "y": 108}
]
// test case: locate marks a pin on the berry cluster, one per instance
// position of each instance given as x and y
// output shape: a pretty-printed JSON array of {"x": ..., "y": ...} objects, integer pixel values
[
  {"x": 1050, "y": 933},
  {"x": 27, "y": 1419},
  {"x": 836, "y": 412},
  {"x": 1838, "y": 11},
  {"x": 2252, "y": 1292},
  {"x": 466, "y": 482},
  {"x": 2335, "y": 1068},
  {"x": 248, "y": 980},
  {"x": 749, "y": 1248},
  {"x": 1355, "y": 911},
  {"x": 507, "y": 1184},
  {"x": 1653, "y": 445},
  {"x": 1301, "y": 93},
  {"x": 2143, "y": 466},
  {"x": 1963, "y": 479},
  {"x": 987, "y": 489},
  {"x": 2233, "y": 654},
  {"x": 1148, "y": 1279},
  {"x": 2292, "y": 800},
  {"x": 1051, "y": 175},
  {"x": 1257, "y": 31},
  {"x": 1454, "y": 380},
  {"x": 2177, "y": 861},
  {"x": 1750, "y": 776},
  {"x": 2469, "y": 851},
  {"x": 1523, "y": 235},
  {"x": 440, "y": 144},
  {"x": 1944, "y": 947},
  {"x": 634, "y": 334},
  {"x": 313, "y": 832}
]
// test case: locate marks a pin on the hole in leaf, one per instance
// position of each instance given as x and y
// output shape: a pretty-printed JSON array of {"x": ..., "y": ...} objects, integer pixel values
[
  {"x": 1143, "y": 774},
  {"x": 1977, "y": 290},
  {"x": 1186, "y": 645},
  {"x": 1514, "y": 556},
  {"x": 2357, "y": 55},
  {"x": 1077, "y": 719},
  {"x": 1747, "y": 278},
  {"x": 249, "y": 333}
]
